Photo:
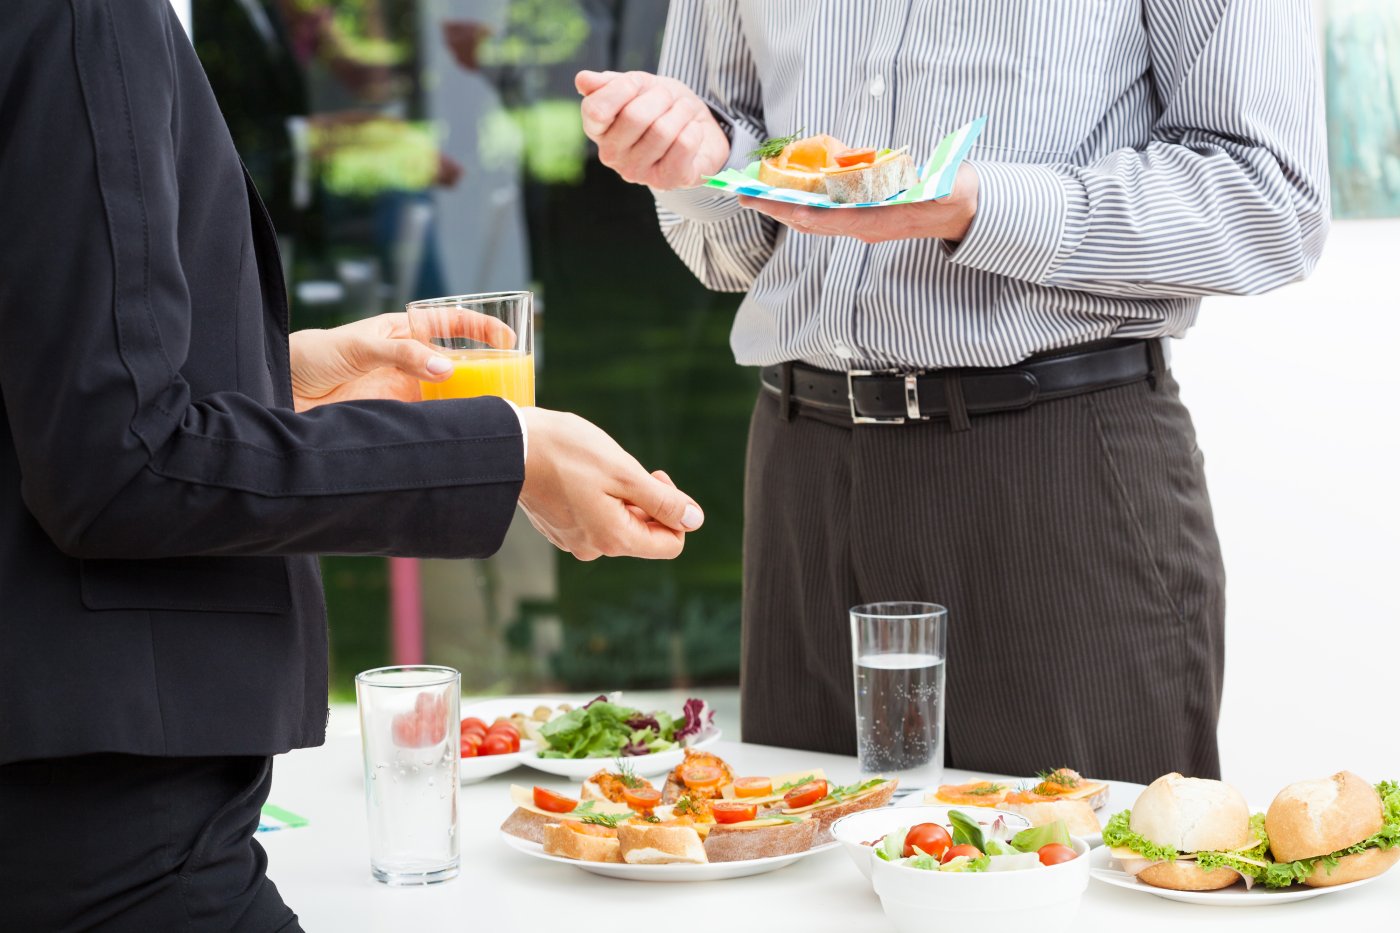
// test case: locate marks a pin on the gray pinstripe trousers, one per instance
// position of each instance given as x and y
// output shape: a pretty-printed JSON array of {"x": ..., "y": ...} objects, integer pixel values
[{"x": 1072, "y": 542}]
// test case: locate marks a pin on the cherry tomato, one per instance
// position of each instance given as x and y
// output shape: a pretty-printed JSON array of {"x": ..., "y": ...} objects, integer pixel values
[
  {"x": 641, "y": 798},
  {"x": 474, "y": 739},
  {"x": 495, "y": 745},
  {"x": 473, "y": 721},
  {"x": 732, "y": 811},
  {"x": 753, "y": 787},
  {"x": 702, "y": 777},
  {"x": 1053, "y": 853},
  {"x": 468, "y": 750},
  {"x": 505, "y": 727},
  {"x": 854, "y": 157},
  {"x": 547, "y": 799},
  {"x": 971, "y": 852},
  {"x": 805, "y": 795},
  {"x": 930, "y": 838}
]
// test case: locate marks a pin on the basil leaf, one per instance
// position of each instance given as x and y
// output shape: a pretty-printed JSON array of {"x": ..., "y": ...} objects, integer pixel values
[{"x": 966, "y": 831}]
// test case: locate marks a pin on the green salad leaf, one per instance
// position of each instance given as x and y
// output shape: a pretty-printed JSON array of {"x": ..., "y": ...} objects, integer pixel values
[
  {"x": 1118, "y": 834},
  {"x": 891, "y": 848},
  {"x": 1245, "y": 861},
  {"x": 966, "y": 831},
  {"x": 839, "y": 792},
  {"x": 805, "y": 779},
  {"x": 1031, "y": 840}
]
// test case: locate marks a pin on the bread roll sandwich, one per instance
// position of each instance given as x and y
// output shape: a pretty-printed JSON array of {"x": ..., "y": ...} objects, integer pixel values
[
  {"x": 1333, "y": 830},
  {"x": 586, "y": 842},
  {"x": 1188, "y": 834},
  {"x": 646, "y": 844}
]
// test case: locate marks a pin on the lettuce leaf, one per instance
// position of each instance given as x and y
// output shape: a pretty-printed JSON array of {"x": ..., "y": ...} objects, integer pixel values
[{"x": 1119, "y": 835}]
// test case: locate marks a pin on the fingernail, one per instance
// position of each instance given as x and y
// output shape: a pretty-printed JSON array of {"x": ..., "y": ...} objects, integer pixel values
[
  {"x": 438, "y": 365},
  {"x": 692, "y": 518}
]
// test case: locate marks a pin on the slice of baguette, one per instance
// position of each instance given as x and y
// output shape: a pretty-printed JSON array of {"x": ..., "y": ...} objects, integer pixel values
[
  {"x": 737, "y": 842},
  {"x": 1078, "y": 815},
  {"x": 771, "y": 173},
  {"x": 826, "y": 814},
  {"x": 562, "y": 841},
  {"x": 873, "y": 183},
  {"x": 660, "y": 845}
]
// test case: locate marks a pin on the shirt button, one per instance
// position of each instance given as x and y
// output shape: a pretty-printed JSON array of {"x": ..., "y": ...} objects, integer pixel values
[
  {"x": 842, "y": 351},
  {"x": 877, "y": 85}
]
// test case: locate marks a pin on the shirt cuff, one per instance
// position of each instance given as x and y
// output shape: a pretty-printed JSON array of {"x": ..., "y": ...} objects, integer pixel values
[
  {"x": 524, "y": 431},
  {"x": 1023, "y": 211},
  {"x": 703, "y": 204}
]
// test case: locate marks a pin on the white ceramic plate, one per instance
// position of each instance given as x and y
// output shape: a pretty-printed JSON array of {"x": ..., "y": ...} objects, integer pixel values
[
  {"x": 579, "y": 769},
  {"x": 1121, "y": 796},
  {"x": 712, "y": 871},
  {"x": 1104, "y": 867},
  {"x": 481, "y": 767}
]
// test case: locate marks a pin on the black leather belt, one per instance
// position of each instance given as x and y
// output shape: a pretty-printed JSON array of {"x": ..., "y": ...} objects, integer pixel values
[{"x": 898, "y": 396}]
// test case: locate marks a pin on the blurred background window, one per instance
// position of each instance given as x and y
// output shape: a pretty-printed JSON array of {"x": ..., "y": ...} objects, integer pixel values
[{"x": 415, "y": 148}]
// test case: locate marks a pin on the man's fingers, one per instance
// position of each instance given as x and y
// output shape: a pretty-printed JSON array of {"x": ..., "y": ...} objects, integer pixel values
[
  {"x": 663, "y": 134},
  {"x": 635, "y": 119},
  {"x": 586, "y": 82},
  {"x": 601, "y": 108},
  {"x": 678, "y": 165}
]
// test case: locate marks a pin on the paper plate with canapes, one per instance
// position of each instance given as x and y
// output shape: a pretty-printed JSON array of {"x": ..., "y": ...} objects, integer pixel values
[
  {"x": 1061, "y": 795},
  {"x": 705, "y": 823},
  {"x": 1195, "y": 840},
  {"x": 822, "y": 171}
]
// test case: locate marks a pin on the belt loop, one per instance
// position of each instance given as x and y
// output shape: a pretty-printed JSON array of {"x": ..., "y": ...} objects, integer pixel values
[
  {"x": 957, "y": 406},
  {"x": 785, "y": 393},
  {"x": 1157, "y": 362}
]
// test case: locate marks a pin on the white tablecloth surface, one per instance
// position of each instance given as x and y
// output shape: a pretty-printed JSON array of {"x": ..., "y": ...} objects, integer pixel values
[{"x": 322, "y": 871}]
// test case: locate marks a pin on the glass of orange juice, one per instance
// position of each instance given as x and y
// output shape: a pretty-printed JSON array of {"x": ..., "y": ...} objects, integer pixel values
[{"x": 489, "y": 339}]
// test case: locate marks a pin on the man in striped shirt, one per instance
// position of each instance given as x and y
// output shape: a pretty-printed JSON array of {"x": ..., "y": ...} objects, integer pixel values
[{"x": 968, "y": 401}]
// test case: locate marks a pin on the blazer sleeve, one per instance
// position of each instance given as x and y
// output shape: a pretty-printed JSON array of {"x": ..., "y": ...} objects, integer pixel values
[{"x": 118, "y": 456}]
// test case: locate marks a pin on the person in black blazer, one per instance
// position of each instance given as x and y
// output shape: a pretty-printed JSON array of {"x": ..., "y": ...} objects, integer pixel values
[{"x": 171, "y": 463}]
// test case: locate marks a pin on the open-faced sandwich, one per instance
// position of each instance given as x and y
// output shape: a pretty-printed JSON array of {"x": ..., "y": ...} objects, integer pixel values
[
  {"x": 1062, "y": 795},
  {"x": 824, "y": 164}
]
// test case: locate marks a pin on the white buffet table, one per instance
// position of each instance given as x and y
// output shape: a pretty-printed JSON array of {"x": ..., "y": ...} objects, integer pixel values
[{"x": 322, "y": 871}]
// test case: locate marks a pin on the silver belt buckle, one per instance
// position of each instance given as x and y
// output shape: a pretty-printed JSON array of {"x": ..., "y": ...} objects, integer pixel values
[{"x": 911, "y": 395}]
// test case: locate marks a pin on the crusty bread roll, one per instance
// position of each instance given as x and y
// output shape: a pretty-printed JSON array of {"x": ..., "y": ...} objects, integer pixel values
[
  {"x": 872, "y": 183},
  {"x": 1188, "y": 876},
  {"x": 569, "y": 843},
  {"x": 1311, "y": 818},
  {"x": 727, "y": 843},
  {"x": 660, "y": 845},
  {"x": 1192, "y": 815},
  {"x": 1354, "y": 867},
  {"x": 527, "y": 824},
  {"x": 1078, "y": 815}
]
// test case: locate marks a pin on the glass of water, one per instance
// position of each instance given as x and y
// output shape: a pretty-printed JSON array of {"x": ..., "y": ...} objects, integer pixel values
[
  {"x": 899, "y": 651},
  {"x": 410, "y": 730}
]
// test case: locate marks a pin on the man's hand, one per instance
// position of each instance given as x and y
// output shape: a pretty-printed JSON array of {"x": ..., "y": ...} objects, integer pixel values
[
  {"x": 945, "y": 219},
  {"x": 373, "y": 358},
  {"x": 591, "y": 498},
  {"x": 652, "y": 131}
]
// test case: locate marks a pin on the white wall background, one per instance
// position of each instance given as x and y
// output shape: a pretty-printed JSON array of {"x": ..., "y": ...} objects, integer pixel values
[{"x": 1294, "y": 396}]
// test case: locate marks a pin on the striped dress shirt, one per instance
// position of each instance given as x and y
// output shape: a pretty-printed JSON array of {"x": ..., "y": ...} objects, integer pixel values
[{"x": 1138, "y": 155}]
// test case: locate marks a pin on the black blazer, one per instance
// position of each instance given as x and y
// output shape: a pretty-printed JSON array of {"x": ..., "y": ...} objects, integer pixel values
[{"x": 159, "y": 498}]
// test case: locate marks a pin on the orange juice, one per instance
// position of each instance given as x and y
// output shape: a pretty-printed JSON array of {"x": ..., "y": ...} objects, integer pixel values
[{"x": 506, "y": 373}]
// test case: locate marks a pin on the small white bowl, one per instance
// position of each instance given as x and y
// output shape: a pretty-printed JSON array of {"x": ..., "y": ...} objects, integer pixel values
[
  {"x": 855, "y": 829},
  {"x": 1044, "y": 899}
]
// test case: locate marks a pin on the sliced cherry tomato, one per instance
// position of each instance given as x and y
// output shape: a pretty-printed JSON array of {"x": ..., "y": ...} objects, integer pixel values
[
  {"x": 732, "y": 811},
  {"x": 468, "y": 750},
  {"x": 473, "y": 721},
  {"x": 1053, "y": 853},
  {"x": 805, "y": 795},
  {"x": 505, "y": 727},
  {"x": 854, "y": 157},
  {"x": 641, "y": 798},
  {"x": 474, "y": 739},
  {"x": 753, "y": 787},
  {"x": 929, "y": 838},
  {"x": 971, "y": 852},
  {"x": 701, "y": 777},
  {"x": 547, "y": 799},
  {"x": 495, "y": 745}
]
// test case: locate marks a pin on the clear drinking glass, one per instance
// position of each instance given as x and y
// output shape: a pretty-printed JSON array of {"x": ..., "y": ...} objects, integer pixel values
[
  {"x": 899, "y": 651},
  {"x": 490, "y": 340},
  {"x": 411, "y": 730}
]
